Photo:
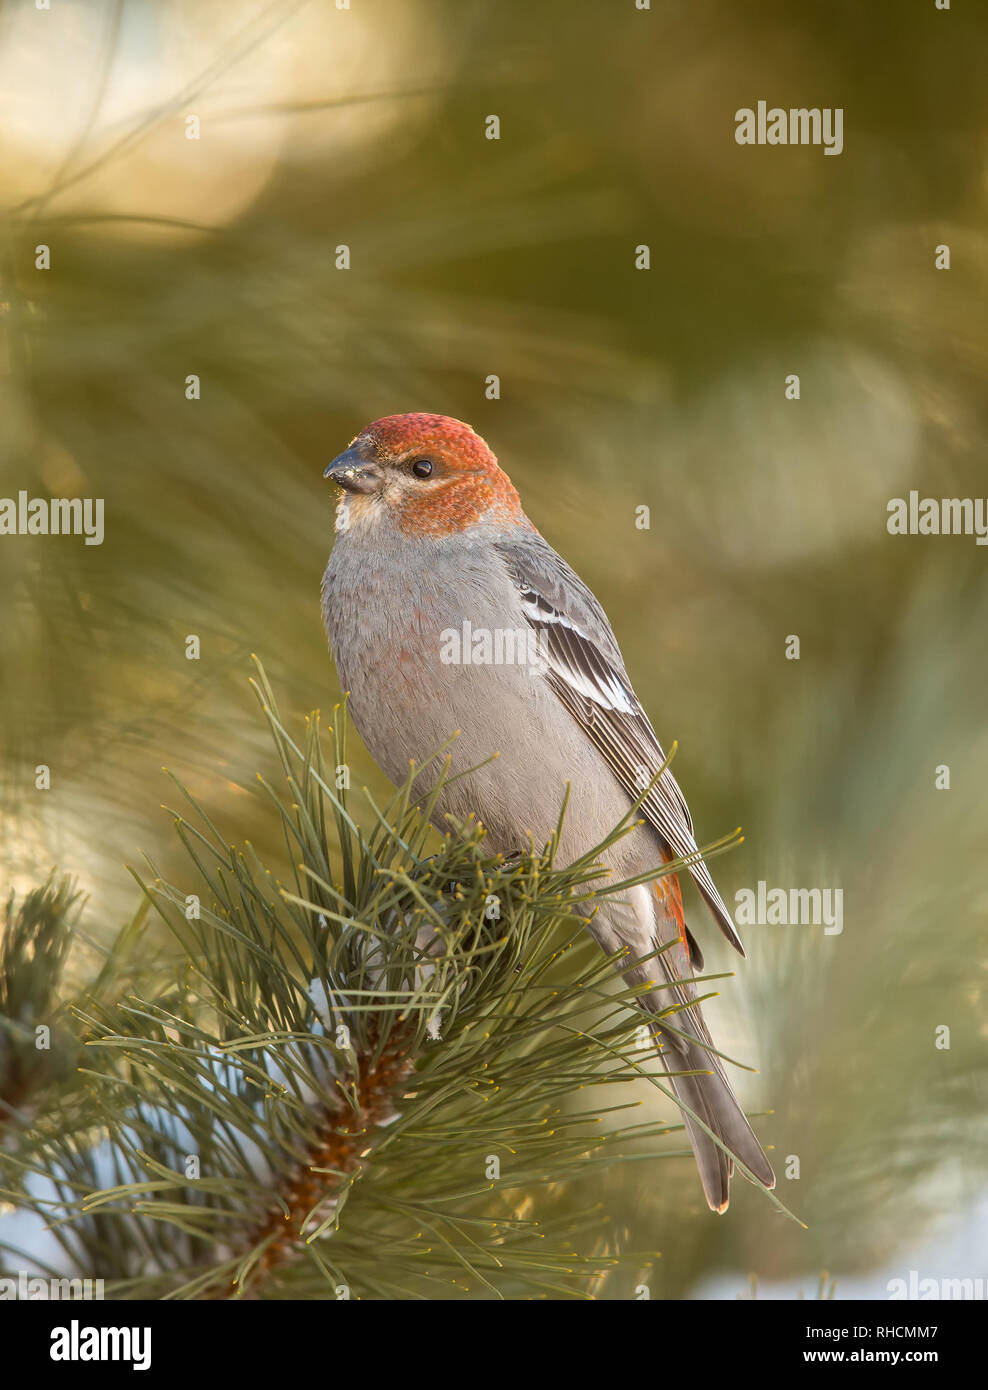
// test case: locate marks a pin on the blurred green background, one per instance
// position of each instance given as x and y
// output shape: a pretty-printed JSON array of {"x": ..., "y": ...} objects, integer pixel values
[{"x": 620, "y": 387}]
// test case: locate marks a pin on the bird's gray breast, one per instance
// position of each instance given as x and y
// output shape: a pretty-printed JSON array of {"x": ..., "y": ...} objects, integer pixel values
[{"x": 432, "y": 641}]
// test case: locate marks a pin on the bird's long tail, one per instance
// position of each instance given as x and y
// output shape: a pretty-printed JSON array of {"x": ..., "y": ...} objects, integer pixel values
[
  {"x": 686, "y": 1046},
  {"x": 714, "y": 1103}
]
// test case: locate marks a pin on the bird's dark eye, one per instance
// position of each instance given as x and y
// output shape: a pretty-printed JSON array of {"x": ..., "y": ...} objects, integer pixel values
[{"x": 422, "y": 468}]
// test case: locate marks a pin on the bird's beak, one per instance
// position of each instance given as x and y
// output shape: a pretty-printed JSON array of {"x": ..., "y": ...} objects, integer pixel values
[{"x": 354, "y": 473}]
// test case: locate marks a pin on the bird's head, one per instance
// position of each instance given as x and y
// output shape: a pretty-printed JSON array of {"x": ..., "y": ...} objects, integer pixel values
[{"x": 424, "y": 475}]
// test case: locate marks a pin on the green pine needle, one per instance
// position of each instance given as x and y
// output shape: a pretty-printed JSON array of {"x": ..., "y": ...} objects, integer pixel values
[{"x": 388, "y": 1077}]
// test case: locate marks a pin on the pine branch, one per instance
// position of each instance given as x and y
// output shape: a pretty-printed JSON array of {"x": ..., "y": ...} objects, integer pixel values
[
  {"x": 34, "y": 944},
  {"x": 365, "y": 1080}
]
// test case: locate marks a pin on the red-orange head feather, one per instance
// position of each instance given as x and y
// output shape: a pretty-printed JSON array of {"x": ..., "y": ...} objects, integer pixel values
[{"x": 465, "y": 485}]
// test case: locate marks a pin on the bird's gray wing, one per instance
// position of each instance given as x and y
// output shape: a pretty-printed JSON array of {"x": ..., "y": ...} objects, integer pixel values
[{"x": 587, "y": 673}]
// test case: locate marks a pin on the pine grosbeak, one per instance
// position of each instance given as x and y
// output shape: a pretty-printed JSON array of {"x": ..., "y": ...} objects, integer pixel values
[{"x": 430, "y": 536}]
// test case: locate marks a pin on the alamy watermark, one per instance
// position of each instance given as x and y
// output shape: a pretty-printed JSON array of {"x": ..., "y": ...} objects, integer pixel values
[
  {"x": 34, "y": 1287},
  {"x": 938, "y": 516},
  {"x": 52, "y": 516},
  {"x": 796, "y": 125},
  {"x": 763, "y": 906},
  {"x": 467, "y": 645},
  {"x": 83, "y": 1343},
  {"x": 915, "y": 1288}
]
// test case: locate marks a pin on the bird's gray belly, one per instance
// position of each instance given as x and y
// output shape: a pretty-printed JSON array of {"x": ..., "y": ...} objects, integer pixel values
[{"x": 407, "y": 702}]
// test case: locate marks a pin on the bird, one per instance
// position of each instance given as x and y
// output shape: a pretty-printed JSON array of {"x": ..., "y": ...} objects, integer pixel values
[{"x": 447, "y": 612}]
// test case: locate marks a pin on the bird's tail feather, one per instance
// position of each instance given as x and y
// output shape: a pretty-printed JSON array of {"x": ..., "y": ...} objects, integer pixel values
[{"x": 715, "y": 1105}]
